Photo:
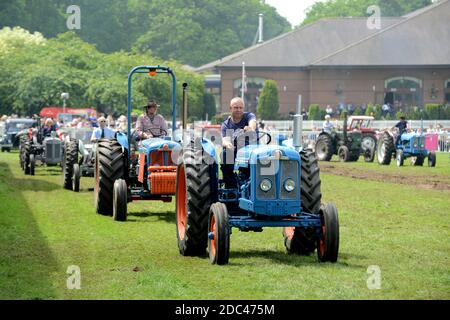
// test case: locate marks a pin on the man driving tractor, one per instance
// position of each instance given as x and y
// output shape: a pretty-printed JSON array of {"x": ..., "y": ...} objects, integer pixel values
[
  {"x": 150, "y": 124},
  {"x": 239, "y": 120}
]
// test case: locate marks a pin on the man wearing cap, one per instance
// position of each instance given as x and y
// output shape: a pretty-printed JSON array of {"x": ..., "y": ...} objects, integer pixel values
[
  {"x": 151, "y": 124},
  {"x": 102, "y": 131},
  {"x": 327, "y": 124}
]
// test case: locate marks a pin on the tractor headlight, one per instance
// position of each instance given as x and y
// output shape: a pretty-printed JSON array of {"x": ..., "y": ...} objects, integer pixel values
[
  {"x": 265, "y": 185},
  {"x": 289, "y": 185}
]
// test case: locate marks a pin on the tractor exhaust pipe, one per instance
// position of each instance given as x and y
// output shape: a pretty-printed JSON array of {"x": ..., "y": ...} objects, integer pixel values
[
  {"x": 184, "y": 119},
  {"x": 298, "y": 126}
]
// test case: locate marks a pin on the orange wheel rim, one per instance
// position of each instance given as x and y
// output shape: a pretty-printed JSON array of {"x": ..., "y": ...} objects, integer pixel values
[
  {"x": 322, "y": 241},
  {"x": 212, "y": 228},
  {"x": 181, "y": 203}
]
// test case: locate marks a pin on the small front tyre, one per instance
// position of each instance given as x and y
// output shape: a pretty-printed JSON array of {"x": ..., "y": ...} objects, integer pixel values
[
  {"x": 120, "y": 200},
  {"x": 32, "y": 164},
  {"x": 76, "y": 177},
  {"x": 328, "y": 244},
  {"x": 218, "y": 234}
]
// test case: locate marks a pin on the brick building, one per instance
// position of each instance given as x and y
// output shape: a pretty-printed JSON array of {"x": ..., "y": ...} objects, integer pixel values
[{"x": 405, "y": 62}]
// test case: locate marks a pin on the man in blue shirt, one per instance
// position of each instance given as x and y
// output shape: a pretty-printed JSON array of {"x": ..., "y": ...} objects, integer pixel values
[
  {"x": 102, "y": 132},
  {"x": 239, "y": 120}
]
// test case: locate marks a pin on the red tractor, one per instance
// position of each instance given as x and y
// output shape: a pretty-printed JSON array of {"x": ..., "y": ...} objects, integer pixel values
[{"x": 369, "y": 137}]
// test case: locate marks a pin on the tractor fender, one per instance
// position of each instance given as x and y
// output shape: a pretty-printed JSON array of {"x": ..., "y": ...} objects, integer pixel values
[
  {"x": 122, "y": 139},
  {"x": 209, "y": 148}
]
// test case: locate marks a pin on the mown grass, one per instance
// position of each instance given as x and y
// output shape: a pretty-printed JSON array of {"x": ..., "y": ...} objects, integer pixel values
[{"x": 44, "y": 229}]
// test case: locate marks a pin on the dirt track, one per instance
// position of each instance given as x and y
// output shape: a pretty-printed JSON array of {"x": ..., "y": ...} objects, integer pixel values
[{"x": 431, "y": 182}]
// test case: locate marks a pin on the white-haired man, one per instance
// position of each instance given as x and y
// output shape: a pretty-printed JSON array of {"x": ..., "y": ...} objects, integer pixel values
[
  {"x": 327, "y": 124},
  {"x": 102, "y": 131}
]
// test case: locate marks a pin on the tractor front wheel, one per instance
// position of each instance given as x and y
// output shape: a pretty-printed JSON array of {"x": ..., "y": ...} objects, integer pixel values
[
  {"x": 32, "y": 164},
  {"x": 432, "y": 159},
  {"x": 70, "y": 159},
  {"x": 120, "y": 200},
  {"x": 343, "y": 154},
  {"x": 76, "y": 177},
  {"x": 218, "y": 234},
  {"x": 400, "y": 158},
  {"x": 328, "y": 244}
]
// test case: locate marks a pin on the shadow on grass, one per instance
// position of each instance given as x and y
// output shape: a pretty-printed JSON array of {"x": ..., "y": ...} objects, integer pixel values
[
  {"x": 168, "y": 216},
  {"x": 282, "y": 257},
  {"x": 26, "y": 262}
]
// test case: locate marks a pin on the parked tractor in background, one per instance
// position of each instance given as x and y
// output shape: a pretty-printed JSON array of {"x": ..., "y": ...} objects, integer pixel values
[
  {"x": 37, "y": 148},
  {"x": 346, "y": 144},
  {"x": 127, "y": 169},
  {"x": 278, "y": 186},
  {"x": 79, "y": 157},
  {"x": 9, "y": 132},
  {"x": 401, "y": 146},
  {"x": 369, "y": 136}
]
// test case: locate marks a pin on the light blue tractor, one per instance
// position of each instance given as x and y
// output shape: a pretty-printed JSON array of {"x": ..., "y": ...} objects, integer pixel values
[
  {"x": 278, "y": 186},
  {"x": 401, "y": 146},
  {"x": 127, "y": 169}
]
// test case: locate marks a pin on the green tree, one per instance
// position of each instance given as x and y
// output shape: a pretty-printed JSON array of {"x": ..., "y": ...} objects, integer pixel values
[
  {"x": 358, "y": 8},
  {"x": 268, "y": 103}
]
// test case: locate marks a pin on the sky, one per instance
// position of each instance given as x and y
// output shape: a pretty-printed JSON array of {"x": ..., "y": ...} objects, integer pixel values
[{"x": 292, "y": 10}]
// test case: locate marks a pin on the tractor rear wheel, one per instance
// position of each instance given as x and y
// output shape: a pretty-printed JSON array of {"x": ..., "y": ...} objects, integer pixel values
[
  {"x": 195, "y": 192},
  {"x": 328, "y": 244},
  {"x": 432, "y": 159},
  {"x": 218, "y": 234},
  {"x": 109, "y": 166},
  {"x": 76, "y": 177},
  {"x": 298, "y": 240},
  {"x": 120, "y": 200},
  {"x": 26, "y": 160},
  {"x": 324, "y": 147},
  {"x": 400, "y": 157},
  {"x": 385, "y": 149},
  {"x": 70, "y": 158}
]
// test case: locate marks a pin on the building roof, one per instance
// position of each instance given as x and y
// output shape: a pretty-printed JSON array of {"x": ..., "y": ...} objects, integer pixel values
[{"x": 419, "y": 38}]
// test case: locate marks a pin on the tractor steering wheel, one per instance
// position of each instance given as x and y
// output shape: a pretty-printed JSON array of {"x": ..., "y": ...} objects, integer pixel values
[
  {"x": 161, "y": 132},
  {"x": 240, "y": 132}
]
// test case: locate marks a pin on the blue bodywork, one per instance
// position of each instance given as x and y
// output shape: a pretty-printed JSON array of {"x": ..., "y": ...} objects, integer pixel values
[
  {"x": 412, "y": 144},
  {"x": 249, "y": 207}
]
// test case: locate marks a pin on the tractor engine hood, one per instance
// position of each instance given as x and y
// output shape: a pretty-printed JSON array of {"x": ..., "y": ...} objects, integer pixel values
[
  {"x": 153, "y": 144},
  {"x": 250, "y": 154},
  {"x": 410, "y": 135}
]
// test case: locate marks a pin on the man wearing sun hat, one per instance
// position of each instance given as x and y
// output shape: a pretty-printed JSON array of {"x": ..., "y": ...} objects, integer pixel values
[{"x": 151, "y": 124}]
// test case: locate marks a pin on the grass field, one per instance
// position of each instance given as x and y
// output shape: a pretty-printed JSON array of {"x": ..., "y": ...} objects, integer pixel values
[{"x": 402, "y": 229}]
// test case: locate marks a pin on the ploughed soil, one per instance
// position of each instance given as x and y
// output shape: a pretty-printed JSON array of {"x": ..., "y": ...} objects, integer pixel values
[{"x": 425, "y": 181}]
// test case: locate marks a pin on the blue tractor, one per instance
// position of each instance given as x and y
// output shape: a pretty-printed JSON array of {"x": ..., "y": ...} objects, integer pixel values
[
  {"x": 127, "y": 169},
  {"x": 278, "y": 186},
  {"x": 392, "y": 144}
]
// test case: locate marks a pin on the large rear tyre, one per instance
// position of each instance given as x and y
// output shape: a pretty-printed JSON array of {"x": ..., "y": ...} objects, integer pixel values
[
  {"x": 70, "y": 159},
  {"x": 385, "y": 149},
  {"x": 120, "y": 200},
  {"x": 328, "y": 244},
  {"x": 298, "y": 240},
  {"x": 109, "y": 166},
  {"x": 218, "y": 234},
  {"x": 76, "y": 177},
  {"x": 324, "y": 147},
  {"x": 196, "y": 191}
]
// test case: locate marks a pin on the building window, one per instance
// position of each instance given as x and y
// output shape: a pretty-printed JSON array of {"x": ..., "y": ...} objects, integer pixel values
[
  {"x": 403, "y": 92},
  {"x": 254, "y": 87}
]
